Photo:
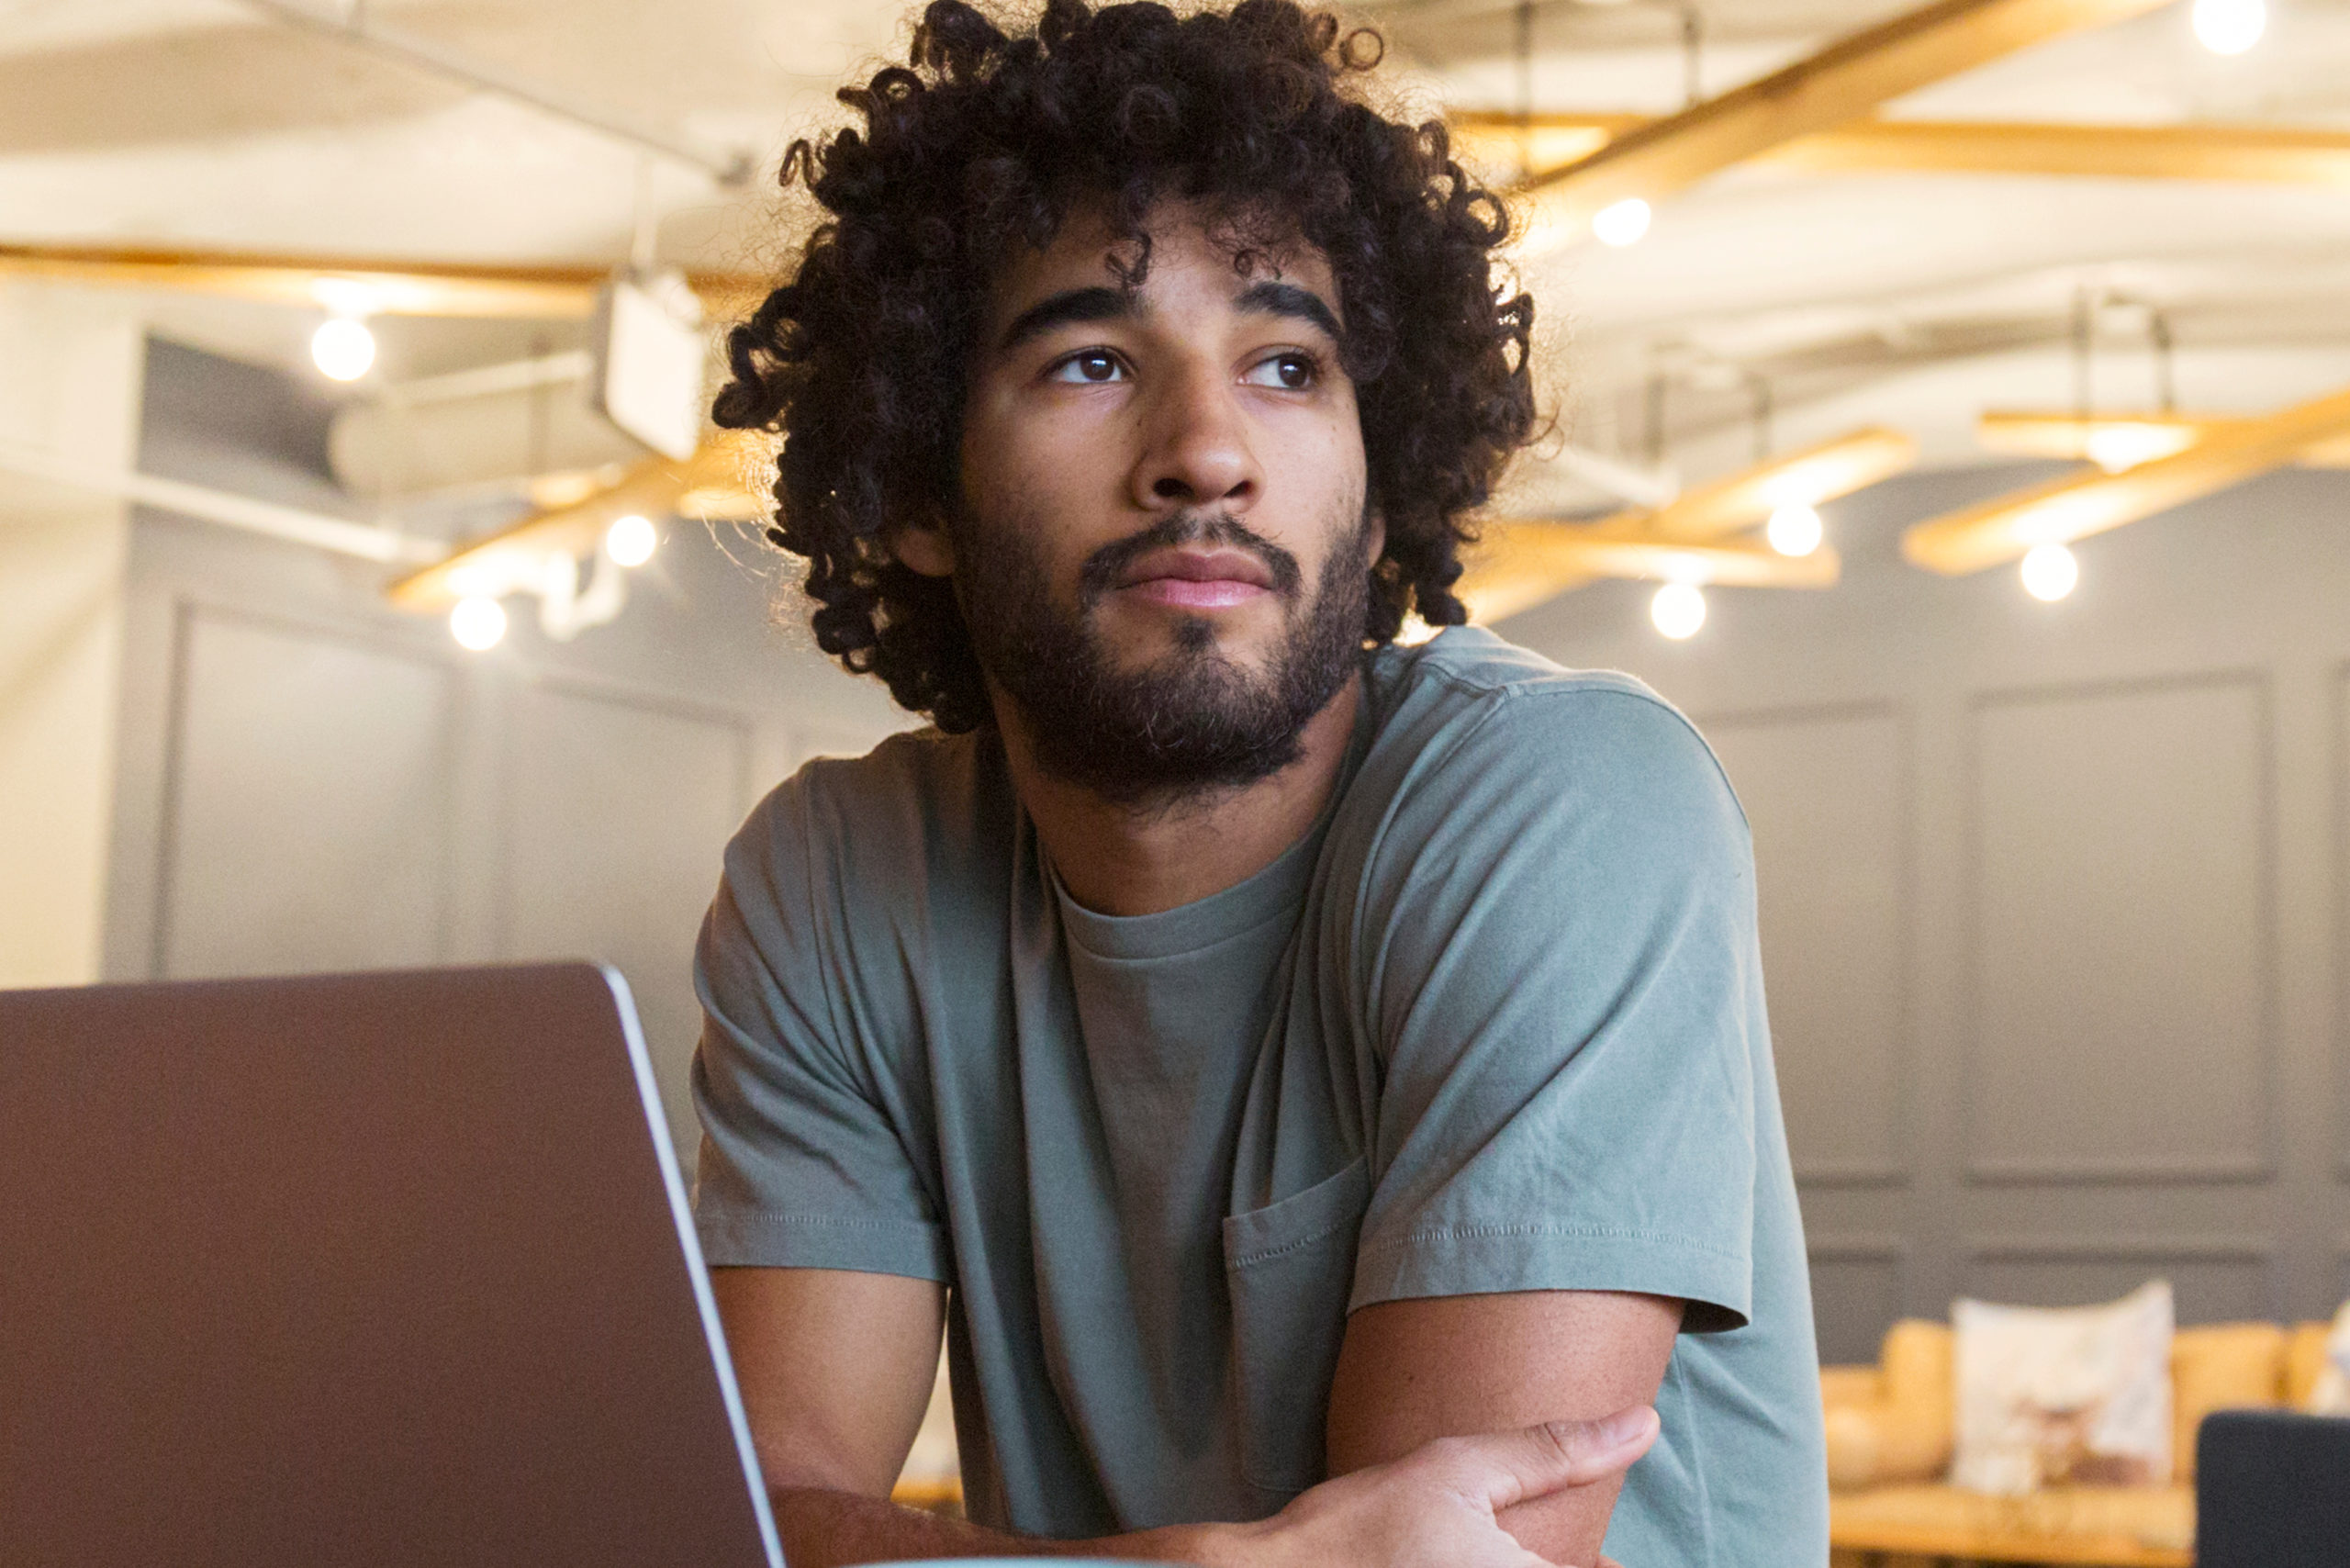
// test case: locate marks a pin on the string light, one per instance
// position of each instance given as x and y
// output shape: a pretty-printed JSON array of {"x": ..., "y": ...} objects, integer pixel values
[
  {"x": 478, "y": 622},
  {"x": 343, "y": 348},
  {"x": 2049, "y": 572},
  {"x": 2230, "y": 27},
  {"x": 630, "y": 541},
  {"x": 1622, "y": 223},
  {"x": 1794, "y": 529},
  {"x": 1678, "y": 610}
]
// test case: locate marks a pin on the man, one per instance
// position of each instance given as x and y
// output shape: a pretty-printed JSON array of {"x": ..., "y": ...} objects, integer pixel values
[{"x": 1321, "y": 1087}]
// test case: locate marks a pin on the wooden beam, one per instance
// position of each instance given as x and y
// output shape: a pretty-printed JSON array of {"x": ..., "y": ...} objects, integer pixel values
[
  {"x": 1518, "y": 564},
  {"x": 2244, "y": 154},
  {"x": 380, "y": 285},
  {"x": 2116, "y": 441},
  {"x": 1817, "y": 473},
  {"x": 1843, "y": 81},
  {"x": 2075, "y": 507},
  {"x": 724, "y": 480}
]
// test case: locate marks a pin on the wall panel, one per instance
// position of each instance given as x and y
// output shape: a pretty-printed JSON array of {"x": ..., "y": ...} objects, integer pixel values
[
  {"x": 1855, "y": 1296},
  {"x": 2214, "y": 1280},
  {"x": 1826, "y": 793},
  {"x": 618, "y": 807},
  {"x": 2121, "y": 963},
  {"x": 334, "y": 856}
]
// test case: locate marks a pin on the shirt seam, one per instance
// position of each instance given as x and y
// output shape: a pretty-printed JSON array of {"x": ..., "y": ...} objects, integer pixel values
[
  {"x": 725, "y": 1210},
  {"x": 1294, "y": 1244},
  {"x": 1583, "y": 1233}
]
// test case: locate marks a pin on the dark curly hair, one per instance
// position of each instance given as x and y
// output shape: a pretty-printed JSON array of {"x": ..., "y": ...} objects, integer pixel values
[{"x": 988, "y": 139}]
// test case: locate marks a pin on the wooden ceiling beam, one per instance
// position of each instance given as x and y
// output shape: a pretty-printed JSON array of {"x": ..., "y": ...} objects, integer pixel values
[
  {"x": 2075, "y": 507},
  {"x": 1843, "y": 81},
  {"x": 369, "y": 285},
  {"x": 1821, "y": 473},
  {"x": 2242, "y": 153},
  {"x": 1519, "y": 563},
  {"x": 2119, "y": 441}
]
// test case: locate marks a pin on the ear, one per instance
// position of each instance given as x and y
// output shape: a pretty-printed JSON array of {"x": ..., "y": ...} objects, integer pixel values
[
  {"x": 923, "y": 547},
  {"x": 1377, "y": 536}
]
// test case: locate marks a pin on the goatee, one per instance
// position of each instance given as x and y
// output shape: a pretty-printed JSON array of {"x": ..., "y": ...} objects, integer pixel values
[{"x": 1190, "y": 722}]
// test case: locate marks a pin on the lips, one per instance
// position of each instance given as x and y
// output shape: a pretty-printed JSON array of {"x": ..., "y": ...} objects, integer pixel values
[{"x": 1197, "y": 579}]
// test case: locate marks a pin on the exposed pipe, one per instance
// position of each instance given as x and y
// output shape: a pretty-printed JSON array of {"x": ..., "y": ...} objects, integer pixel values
[
  {"x": 291, "y": 524},
  {"x": 732, "y": 170}
]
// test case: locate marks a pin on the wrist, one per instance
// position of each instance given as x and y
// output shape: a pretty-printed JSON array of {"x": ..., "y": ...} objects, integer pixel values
[{"x": 1208, "y": 1545}]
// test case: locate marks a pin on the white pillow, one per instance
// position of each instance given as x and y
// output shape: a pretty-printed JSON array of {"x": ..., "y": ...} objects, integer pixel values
[
  {"x": 2050, "y": 1396},
  {"x": 2330, "y": 1397}
]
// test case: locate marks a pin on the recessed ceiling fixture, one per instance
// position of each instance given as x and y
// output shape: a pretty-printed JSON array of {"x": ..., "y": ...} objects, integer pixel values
[
  {"x": 343, "y": 348},
  {"x": 2050, "y": 572},
  {"x": 1795, "y": 529},
  {"x": 1621, "y": 223},
  {"x": 1678, "y": 610},
  {"x": 2230, "y": 27}
]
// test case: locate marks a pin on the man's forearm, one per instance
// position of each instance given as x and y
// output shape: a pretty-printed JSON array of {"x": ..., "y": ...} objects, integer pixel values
[{"x": 831, "y": 1529}]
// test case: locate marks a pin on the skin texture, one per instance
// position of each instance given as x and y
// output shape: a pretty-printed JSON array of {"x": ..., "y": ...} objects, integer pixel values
[{"x": 1463, "y": 1432}]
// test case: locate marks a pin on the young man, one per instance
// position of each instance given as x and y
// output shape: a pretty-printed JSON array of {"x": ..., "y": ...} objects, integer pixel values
[{"x": 1321, "y": 1087}]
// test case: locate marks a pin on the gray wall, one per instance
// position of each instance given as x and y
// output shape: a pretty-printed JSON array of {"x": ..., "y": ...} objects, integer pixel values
[
  {"x": 2050, "y": 900},
  {"x": 309, "y": 780}
]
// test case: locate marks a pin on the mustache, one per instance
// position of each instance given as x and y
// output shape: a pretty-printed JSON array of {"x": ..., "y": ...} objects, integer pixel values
[{"x": 1106, "y": 566}]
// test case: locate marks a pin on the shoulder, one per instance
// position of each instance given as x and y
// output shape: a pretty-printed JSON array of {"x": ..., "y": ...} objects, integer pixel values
[{"x": 1469, "y": 719}]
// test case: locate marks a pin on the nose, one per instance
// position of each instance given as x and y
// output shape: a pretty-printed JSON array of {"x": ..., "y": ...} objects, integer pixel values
[{"x": 1196, "y": 450}]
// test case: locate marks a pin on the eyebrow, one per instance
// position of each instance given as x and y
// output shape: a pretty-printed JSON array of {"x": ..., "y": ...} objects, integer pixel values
[{"x": 1082, "y": 305}]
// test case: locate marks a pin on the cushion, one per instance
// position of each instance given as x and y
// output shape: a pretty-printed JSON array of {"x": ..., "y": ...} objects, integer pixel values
[
  {"x": 1901, "y": 1429},
  {"x": 2222, "y": 1366},
  {"x": 2329, "y": 1392},
  {"x": 2049, "y": 1395}
]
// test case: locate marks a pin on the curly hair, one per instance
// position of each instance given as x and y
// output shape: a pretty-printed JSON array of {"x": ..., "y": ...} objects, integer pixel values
[{"x": 988, "y": 139}]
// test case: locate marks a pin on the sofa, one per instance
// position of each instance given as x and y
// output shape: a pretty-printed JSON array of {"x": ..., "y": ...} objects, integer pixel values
[{"x": 1891, "y": 1432}]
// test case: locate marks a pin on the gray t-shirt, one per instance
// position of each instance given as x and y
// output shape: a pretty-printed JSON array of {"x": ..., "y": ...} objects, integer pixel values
[{"x": 1496, "y": 1023}]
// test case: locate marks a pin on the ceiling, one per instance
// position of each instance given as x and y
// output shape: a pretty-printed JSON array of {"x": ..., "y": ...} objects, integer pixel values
[{"x": 1913, "y": 300}]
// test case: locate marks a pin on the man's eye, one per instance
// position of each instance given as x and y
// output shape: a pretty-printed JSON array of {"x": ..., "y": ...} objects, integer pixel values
[
  {"x": 1293, "y": 372},
  {"x": 1091, "y": 365}
]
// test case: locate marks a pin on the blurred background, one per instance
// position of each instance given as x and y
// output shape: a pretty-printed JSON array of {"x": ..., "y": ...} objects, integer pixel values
[{"x": 1954, "y": 414}]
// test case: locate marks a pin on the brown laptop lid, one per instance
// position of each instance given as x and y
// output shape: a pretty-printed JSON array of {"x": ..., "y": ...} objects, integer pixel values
[{"x": 362, "y": 1270}]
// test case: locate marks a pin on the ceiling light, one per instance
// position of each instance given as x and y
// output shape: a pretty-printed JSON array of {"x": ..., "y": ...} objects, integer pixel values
[
  {"x": 1622, "y": 223},
  {"x": 1678, "y": 610},
  {"x": 2230, "y": 27},
  {"x": 2125, "y": 445},
  {"x": 2049, "y": 572},
  {"x": 1794, "y": 529},
  {"x": 477, "y": 622},
  {"x": 343, "y": 348},
  {"x": 629, "y": 541}
]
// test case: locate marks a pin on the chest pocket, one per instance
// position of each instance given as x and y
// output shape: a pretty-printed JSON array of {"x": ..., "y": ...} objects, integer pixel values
[{"x": 1290, "y": 1268}]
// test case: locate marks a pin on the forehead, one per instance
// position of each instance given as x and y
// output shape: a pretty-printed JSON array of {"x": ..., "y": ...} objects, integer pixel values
[{"x": 1193, "y": 262}]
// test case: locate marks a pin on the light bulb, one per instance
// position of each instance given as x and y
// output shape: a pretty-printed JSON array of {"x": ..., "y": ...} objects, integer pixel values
[
  {"x": 2118, "y": 446},
  {"x": 343, "y": 348},
  {"x": 1678, "y": 610},
  {"x": 2049, "y": 572},
  {"x": 477, "y": 622},
  {"x": 1794, "y": 529},
  {"x": 2230, "y": 27},
  {"x": 629, "y": 541},
  {"x": 1621, "y": 223}
]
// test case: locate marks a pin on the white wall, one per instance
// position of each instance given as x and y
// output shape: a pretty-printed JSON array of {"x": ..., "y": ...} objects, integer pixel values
[
  {"x": 69, "y": 387},
  {"x": 2052, "y": 900}
]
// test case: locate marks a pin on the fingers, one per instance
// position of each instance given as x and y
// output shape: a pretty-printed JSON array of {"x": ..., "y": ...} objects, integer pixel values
[{"x": 1534, "y": 1462}]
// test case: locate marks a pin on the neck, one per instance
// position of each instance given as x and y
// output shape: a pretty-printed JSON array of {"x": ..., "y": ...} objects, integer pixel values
[{"x": 1120, "y": 858}]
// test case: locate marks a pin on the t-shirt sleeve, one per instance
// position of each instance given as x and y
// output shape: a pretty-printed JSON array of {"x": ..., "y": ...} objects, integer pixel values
[
  {"x": 804, "y": 1161},
  {"x": 1566, "y": 996}
]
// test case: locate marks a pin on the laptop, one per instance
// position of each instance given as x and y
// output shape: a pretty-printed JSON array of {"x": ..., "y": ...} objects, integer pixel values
[
  {"x": 383, "y": 1269},
  {"x": 2272, "y": 1490}
]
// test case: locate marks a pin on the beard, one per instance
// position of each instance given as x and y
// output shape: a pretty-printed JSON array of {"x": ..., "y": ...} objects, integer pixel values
[{"x": 1193, "y": 722}]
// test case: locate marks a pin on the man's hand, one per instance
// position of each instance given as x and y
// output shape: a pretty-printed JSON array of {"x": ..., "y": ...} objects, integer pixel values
[{"x": 1438, "y": 1506}]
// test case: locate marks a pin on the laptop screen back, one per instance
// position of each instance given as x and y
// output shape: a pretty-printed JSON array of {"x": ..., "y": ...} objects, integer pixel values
[{"x": 369, "y": 1270}]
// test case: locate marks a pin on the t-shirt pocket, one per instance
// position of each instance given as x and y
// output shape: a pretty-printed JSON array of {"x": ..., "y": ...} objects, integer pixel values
[{"x": 1290, "y": 1267}]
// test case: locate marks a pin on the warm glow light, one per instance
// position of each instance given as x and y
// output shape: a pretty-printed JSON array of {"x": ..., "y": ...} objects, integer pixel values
[
  {"x": 477, "y": 623},
  {"x": 629, "y": 541},
  {"x": 343, "y": 348},
  {"x": 2230, "y": 27},
  {"x": 2118, "y": 446},
  {"x": 1794, "y": 529},
  {"x": 1622, "y": 223},
  {"x": 2049, "y": 572},
  {"x": 1678, "y": 610}
]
